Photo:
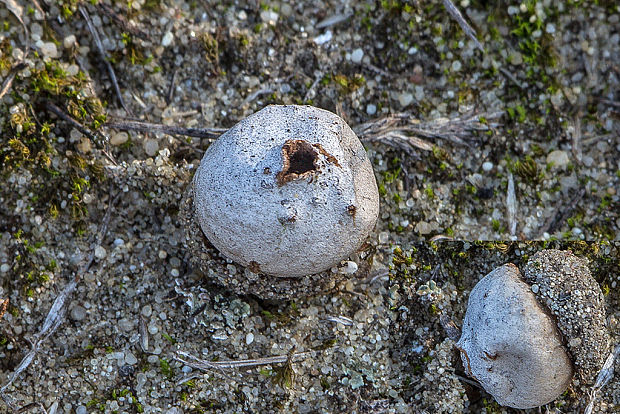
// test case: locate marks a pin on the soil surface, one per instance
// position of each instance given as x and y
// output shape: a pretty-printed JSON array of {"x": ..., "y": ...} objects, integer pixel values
[{"x": 518, "y": 142}]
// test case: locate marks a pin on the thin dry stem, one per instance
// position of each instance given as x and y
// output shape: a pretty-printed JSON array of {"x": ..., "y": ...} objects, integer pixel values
[
  {"x": 130, "y": 125},
  {"x": 407, "y": 133},
  {"x": 202, "y": 364},
  {"x": 456, "y": 15},
  {"x": 104, "y": 57},
  {"x": 57, "y": 312}
]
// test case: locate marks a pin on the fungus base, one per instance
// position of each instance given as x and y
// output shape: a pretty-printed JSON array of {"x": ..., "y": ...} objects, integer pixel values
[{"x": 204, "y": 257}]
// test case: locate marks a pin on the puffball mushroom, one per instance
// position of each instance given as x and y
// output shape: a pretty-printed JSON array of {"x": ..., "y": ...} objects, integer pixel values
[
  {"x": 510, "y": 345},
  {"x": 289, "y": 191},
  {"x": 524, "y": 337}
]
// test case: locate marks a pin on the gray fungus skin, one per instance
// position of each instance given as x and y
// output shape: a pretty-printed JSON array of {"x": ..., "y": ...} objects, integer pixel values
[
  {"x": 289, "y": 191},
  {"x": 509, "y": 343}
]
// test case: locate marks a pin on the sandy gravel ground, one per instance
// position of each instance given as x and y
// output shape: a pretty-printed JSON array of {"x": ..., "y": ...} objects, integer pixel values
[{"x": 516, "y": 143}]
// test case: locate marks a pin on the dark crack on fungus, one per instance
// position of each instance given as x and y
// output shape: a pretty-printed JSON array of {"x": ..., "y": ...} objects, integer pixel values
[{"x": 299, "y": 160}]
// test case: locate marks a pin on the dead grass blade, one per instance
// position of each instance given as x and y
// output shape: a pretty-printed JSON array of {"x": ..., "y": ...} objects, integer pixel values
[
  {"x": 405, "y": 132},
  {"x": 456, "y": 15},
  {"x": 56, "y": 314},
  {"x": 104, "y": 57}
]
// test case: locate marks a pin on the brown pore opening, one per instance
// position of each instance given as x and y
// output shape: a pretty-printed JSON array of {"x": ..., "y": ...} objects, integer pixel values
[{"x": 298, "y": 161}]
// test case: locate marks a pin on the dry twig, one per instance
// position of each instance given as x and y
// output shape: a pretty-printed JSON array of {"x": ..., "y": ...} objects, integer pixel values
[
  {"x": 201, "y": 364},
  {"x": 17, "y": 11},
  {"x": 511, "y": 206},
  {"x": 130, "y": 125},
  {"x": 456, "y": 15},
  {"x": 56, "y": 314},
  {"x": 122, "y": 22},
  {"x": 104, "y": 57},
  {"x": 563, "y": 212},
  {"x": 604, "y": 376},
  {"x": 407, "y": 133},
  {"x": 60, "y": 113}
]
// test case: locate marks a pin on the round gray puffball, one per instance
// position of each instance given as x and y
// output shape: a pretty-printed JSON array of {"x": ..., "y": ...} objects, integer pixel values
[
  {"x": 511, "y": 345},
  {"x": 288, "y": 191}
]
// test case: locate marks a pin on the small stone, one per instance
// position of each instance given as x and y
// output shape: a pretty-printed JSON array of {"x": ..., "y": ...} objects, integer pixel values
[
  {"x": 81, "y": 410},
  {"x": 357, "y": 55},
  {"x": 371, "y": 109},
  {"x": 249, "y": 338},
  {"x": 456, "y": 65},
  {"x": 384, "y": 236},
  {"x": 405, "y": 99},
  {"x": 349, "y": 268},
  {"x": 69, "y": 41},
  {"x": 558, "y": 158},
  {"x": 167, "y": 39},
  {"x": 73, "y": 69},
  {"x": 84, "y": 146},
  {"x": 5, "y": 267},
  {"x": 119, "y": 138},
  {"x": 48, "y": 49},
  {"x": 130, "y": 358},
  {"x": 147, "y": 310},
  {"x": 78, "y": 313},
  {"x": 100, "y": 252},
  {"x": 423, "y": 227},
  {"x": 269, "y": 16},
  {"x": 487, "y": 166},
  {"x": 324, "y": 38},
  {"x": 516, "y": 58},
  {"x": 535, "y": 288},
  {"x": 151, "y": 146}
]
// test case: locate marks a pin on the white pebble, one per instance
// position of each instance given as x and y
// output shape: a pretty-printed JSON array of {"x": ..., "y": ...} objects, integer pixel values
[
  {"x": 324, "y": 38},
  {"x": 119, "y": 138},
  {"x": 357, "y": 55},
  {"x": 151, "y": 146},
  {"x": 384, "y": 237},
  {"x": 167, "y": 39},
  {"x": 249, "y": 338},
  {"x": 5, "y": 268},
  {"x": 48, "y": 49},
  {"x": 535, "y": 288},
  {"x": 73, "y": 69},
  {"x": 405, "y": 99},
  {"x": 130, "y": 358},
  {"x": 550, "y": 28},
  {"x": 558, "y": 158},
  {"x": 349, "y": 268},
  {"x": 69, "y": 41},
  {"x": 269, "y": 16},
  {"x": 100, "y": 252},
  {"x": 371, "y": 109},
  {"x": 456, "y": 65},
  {"x": 487, "y": 166},
  {"x": 147, "y": 310}
]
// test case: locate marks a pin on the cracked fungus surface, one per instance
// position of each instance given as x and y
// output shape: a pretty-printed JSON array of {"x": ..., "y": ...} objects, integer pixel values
[{"x": 288, "y": 190}]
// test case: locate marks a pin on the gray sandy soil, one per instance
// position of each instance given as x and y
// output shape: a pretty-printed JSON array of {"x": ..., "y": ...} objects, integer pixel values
[{"x": 539, "y": 108}]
